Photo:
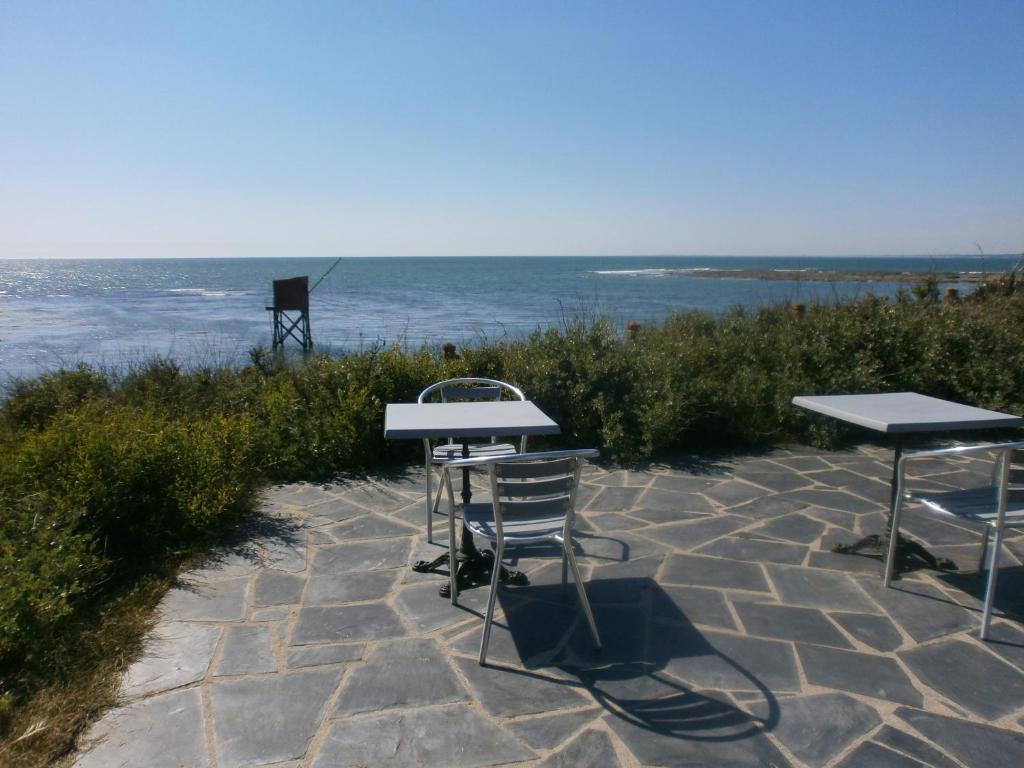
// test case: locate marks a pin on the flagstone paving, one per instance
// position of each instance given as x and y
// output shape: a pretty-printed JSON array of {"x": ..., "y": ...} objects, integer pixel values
[{"x": 732, "y": 636}]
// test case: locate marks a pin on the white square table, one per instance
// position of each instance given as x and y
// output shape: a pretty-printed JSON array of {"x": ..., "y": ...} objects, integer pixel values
[
  {"x": 898, "y": 414},
  {"x": 463, "y": 421}
]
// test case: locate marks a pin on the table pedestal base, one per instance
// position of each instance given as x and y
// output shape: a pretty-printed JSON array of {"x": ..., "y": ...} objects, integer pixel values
[
  {"x": 474, "y": 570},
  {"x": 910, "y": 554}
]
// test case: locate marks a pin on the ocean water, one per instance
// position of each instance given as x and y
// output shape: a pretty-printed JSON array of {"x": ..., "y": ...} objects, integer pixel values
[{"x": 212, "y": 311}]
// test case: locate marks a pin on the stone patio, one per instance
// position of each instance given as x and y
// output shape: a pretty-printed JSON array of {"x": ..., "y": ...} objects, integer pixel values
[{"x": 733, "y": 636}]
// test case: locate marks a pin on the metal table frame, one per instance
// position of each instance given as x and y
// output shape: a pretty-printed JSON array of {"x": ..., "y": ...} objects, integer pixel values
[
  {"x": 899, "y": 414},
  {"x": 464, "y": 421}
]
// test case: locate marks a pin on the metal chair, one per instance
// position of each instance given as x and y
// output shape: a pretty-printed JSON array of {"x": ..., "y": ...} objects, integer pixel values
[
  {"x": 460, "y": 391},
  {"x": 533, "y": 500},
  {"x": 997, "y": 506}
]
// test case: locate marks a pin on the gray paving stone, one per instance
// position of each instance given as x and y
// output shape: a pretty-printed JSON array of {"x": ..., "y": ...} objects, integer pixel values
[
  {"x": 300, "y": 494},
  {"x": 817, "y": 728},
  {"x": 616, "y": 547},
  {"x": 453, "y": 736},
  {"x": 714, "y": 660},
  {"x": 975, "y": 745},
  {"x": 765, "y": 507},
  {"x": 336, "y": 509},
  {"x": 610, "y": 479},
  {"x": 794, "y": 528},
  {"x": 260, "y": 720},
  {"x": 1008, "y": 641},
  {"x": 839, "y": 478},
  {"x": 844, "y": 562},
  {"x": 694, "y": 605},
  {"x": 614, "y": 500},
  {"x": 812, "y": 588},
  {"x": 277, "y": 588},
  {"x": 273, "y": 613},
  {"x": 871, "y": 755},
  {"x": 345, "y": 623},
  {"x": 317, "y": 655},
  {"x": 400, "y": 673},
  {"x": 697, "y": 570},
  {"x": 370, "y": 526},
  {"x": 968, "y": 675},
  {"x": 533, "y": 633},
  {"x": 924, "y": 611},
  {"x": 783, "y": 622},
  {"x": 164, "y": 731},
  {"x": 615, "y": 521},
  {"x": 350, "y": 587},
  {"x": 283, "y": 553},
  {"x": 247, "y": 650},
  {"x": 376, "y": 498},
  {"x": 591, "y": 749},
  {"x": 212, "y": 601},
  {"x": 834, "y": 517},
  {"x": 913, "y": 747},
  {"x": 841, "y": 500},
  {"x": 695, "y": 729},
  {"x": 626, "y": 582},
  {"x": 549, "y": 730},
  {"x": 361, "y": 556},
  {"x": 672, "y": 502},
  {"x": 426, "y": 610},
  {"x": 803, "y": 463},
  {"x": 175, "y": 654},
  {"x": 934, "y": 531},
  {"x": 743, "y": 547},
  {"x": 863, "y": 673},
  {"x": 690, "y": 534},
  {"x": 776, "y": 480},
  {"x": 733, "y": 492},
  {"x": 507, "y": 692},
  {"x": 683, "y": 483},
  {"x": 878, "y": 632}
]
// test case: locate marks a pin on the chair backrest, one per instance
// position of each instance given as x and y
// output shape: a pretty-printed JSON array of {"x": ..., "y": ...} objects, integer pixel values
[
  {"x": 470, "y": 389},
  {"x": 1015, "y": 490},
  {"x": 541, "y": 486}
]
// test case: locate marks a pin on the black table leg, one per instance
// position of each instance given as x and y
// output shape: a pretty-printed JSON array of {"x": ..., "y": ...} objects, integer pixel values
[
  {"x": 474, "y": 566},
  {"x": 909, "y": 553}
]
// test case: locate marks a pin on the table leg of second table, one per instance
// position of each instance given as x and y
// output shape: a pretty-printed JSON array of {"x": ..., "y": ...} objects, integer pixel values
[{"x": 907, "y": 550}]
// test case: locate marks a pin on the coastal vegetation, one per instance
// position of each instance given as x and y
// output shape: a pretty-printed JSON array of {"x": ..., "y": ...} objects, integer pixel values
[{"x": 112, "y": 482}]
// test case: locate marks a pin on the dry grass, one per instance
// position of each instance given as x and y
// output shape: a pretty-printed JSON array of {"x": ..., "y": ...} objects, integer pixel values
[{"x": 44, "y": 711}]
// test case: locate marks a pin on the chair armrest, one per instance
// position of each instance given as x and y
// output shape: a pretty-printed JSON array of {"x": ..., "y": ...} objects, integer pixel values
[
  {"x": 583, "y": 453},
  {"x": 958, "y": 450}
]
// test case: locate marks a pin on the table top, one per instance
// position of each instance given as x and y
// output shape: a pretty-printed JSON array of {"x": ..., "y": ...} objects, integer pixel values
[
  {"x": 904, "y": 412},
  {"x": 480, "y": 419}
]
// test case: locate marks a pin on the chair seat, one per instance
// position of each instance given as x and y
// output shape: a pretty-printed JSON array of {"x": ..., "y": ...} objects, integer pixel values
[
  {"x": 978, "y": 504},
  {"x": 479, "y": 519},
  {"x": 452, "y": 451}
]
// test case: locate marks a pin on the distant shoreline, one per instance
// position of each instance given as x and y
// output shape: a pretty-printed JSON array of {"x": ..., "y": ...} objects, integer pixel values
[{"x": 828, "y": 276}]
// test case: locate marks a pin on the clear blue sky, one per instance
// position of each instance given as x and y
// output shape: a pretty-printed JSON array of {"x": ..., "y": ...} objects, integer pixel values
[{"x": 372, "y": 128}]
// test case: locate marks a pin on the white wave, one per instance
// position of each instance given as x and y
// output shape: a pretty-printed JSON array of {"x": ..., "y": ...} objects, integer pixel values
[{"x": 630, "y": 271}]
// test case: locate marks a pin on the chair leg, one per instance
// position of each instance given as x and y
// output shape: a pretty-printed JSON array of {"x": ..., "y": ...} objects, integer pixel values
[
  {"x": 495, "y": 581},
  {"x": 990, "y": 587},
  {"x": 984, "y": 550},
  {"x": 430, "y": 516},
  {"x": 453, "y": 563},
  {"x": 894, "y": 535},
  {"x": 567, "y": 549}
]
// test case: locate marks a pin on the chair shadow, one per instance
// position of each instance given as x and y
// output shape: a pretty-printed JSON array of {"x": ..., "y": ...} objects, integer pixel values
[
  {"x": 1009, "y": 588},
  {"x": 646, "y": 640}
]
